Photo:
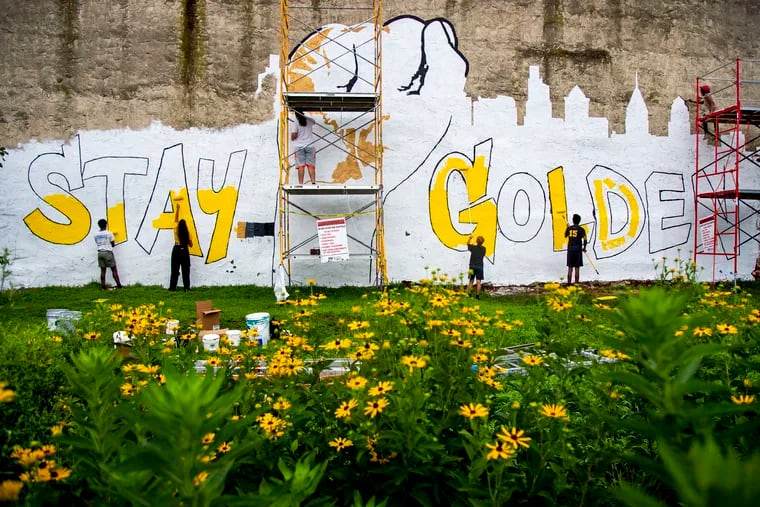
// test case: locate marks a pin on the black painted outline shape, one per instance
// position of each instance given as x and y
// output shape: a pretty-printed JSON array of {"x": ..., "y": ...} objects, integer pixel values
[
  {"x": 663, "y": 198},
  {"x": 216, "y": 191},
  {"x": 423, "y": 68},
  {"x": 542, "y": 214},
  {"x": 635, "y": 190},
  {"x": 124, "y": 181},
  {"x": 68, "y": 190}
]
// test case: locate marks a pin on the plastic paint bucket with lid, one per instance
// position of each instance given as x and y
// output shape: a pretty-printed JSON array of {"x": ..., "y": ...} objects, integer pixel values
[
  {"x": 121, "y": 338},
  {"x": 210, "y": 342},
  {"x": 260, "y": 323},
  {"x": 233, "y": 336},
  {"x": 172, "y": 326}
]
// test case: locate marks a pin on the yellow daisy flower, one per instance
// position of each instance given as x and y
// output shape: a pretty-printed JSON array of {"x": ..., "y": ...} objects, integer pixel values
[
  {"x": 499, "y": 450},
  {"x": 556, "y": 411},
  {"x": 375, "y": 407},
  {"x": 381, "y": 389},
  {"x": 514, "y": 437},
  {"x": 473, "y": 410},
  {"x": 340, "y": 443},
  {"x": 743, "y": 399}
]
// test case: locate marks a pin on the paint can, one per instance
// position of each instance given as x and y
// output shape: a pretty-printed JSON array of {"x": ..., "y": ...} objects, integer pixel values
[
  {"x": 53, "y": 316},
  {"x": 210, "y": 342},
  {"x": 172, "y": 326},
  {"x": 260, "y": 323},
  {"x": 233, "y": 337},
  {"x": 121, "y": 338}
]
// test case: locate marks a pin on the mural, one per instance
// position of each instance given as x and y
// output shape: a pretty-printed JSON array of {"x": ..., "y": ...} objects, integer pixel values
[{"x": 453, "y": 166}]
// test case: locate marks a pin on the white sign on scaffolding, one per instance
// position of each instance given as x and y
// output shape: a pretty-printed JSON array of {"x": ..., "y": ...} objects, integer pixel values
[
  {"x": 333, "y": 240},
  {"x": 707, "y": 232}
]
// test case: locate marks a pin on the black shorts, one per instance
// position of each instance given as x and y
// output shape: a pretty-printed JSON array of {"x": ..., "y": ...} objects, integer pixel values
[
  {"x": 476, "y": 272},
  {"x": 574, "y": 258}
]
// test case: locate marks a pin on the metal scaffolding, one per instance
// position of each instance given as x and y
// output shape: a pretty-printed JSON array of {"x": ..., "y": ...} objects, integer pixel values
[
  {"x": 314, "y": 40},
  {"x": 723, "y": 208}
]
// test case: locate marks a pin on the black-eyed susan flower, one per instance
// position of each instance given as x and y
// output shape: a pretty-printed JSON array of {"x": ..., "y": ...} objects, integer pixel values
[
  {"x": 701, "y": 331},
  {"x": 413, "y": 362},
  {"x": 91, "y": 335},
  {"x": 127, "y": 389},
  {"x": 532, "y": 360},
  {"x": 439, "y": 302},
  {"x": 473, "y": 410},
  {"x": 356, "y": 382},
  {"x": 480, "y": 357},
  {"x": 340, "y": 443},
  {"x": 726, "y": 329},
  {"x": 375, "y": 407},
  {"x": 208, "y": 439},
  {"x": 743, "y": 399},
  {"x": 281, "y": 404},
  {"x": 344, "y": 410},
  {"x": 337, "y": 344},
  {"x": 461, "y": 343},
  {"x": 224, "y": 447},
  {"x": 381, "y": 389},
  {"x": 499, "y": 450},
  {"x": 550, "y": 410},
  {"x": 514, "y": 437}
]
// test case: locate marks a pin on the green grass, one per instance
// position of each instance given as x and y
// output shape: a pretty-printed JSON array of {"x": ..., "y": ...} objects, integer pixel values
[{"x": 27, "y": 307}]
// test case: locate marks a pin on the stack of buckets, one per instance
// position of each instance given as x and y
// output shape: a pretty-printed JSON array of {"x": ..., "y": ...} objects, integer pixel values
[{"x": 260, "y": 323}]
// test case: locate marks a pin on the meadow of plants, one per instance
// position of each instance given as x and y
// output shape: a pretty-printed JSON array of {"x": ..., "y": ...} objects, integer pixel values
[{"x": 414, "y": 395}]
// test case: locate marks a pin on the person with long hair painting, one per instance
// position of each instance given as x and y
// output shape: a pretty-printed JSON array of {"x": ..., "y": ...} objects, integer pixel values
[
  {"x": 302, "y": 136},
  {"x": 180, "y": 253}
]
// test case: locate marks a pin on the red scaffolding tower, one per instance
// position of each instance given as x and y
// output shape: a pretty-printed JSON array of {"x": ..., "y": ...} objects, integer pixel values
[{"x": 728, "y": 129}]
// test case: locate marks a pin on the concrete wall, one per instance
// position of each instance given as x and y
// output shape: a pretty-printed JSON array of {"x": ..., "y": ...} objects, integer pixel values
[
  {"x": 71, "y": 65},
  {"x": 509, "y": 169}
]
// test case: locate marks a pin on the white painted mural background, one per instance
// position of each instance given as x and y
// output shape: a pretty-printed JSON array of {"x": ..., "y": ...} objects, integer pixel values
[{"x": 633, "y": 190}]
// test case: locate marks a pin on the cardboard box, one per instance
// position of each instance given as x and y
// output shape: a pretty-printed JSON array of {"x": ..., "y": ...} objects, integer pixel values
[{"x": 206, "y": 315}]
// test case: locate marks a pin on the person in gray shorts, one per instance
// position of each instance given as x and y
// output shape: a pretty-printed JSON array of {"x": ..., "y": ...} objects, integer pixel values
[
  {"x": 104, "y": 240},
  {"x": 302, "y": 136}
]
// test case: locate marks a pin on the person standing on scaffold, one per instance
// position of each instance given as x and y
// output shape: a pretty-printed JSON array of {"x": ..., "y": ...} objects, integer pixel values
[{"x": 302, "y": 136}]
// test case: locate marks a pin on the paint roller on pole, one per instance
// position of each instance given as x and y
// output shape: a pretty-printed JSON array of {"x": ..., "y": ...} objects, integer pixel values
[{"x": 588, "y": 258}]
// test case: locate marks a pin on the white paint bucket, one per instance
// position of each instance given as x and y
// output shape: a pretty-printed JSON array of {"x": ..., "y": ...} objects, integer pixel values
[
  {"x": 233, "y": 336},
  {"x": 172, "y": 326},
  {"x": 121, "y": 338},
  {"x": 210, "y": 342},
  {"x": 259, "y": 322},
  {"x": 53, "y": 316}
]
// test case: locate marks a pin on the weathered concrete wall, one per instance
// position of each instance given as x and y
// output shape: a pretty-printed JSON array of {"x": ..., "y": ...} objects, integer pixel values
[{"x": 70, "y": 65}]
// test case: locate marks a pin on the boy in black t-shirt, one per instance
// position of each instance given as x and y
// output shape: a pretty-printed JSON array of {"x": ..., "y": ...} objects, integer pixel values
[
  {"x": 576, "y": 245},
  {"x": 477, "y": 253}
]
